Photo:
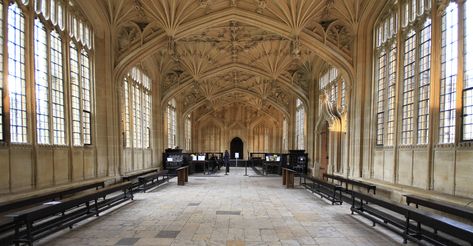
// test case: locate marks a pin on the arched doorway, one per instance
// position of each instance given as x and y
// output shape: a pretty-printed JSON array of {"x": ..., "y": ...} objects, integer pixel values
[{"x": 236, "y": 146}]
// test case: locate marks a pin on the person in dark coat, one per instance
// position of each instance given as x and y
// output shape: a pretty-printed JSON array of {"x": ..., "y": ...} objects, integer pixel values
[{"x": 226, "y": 159}]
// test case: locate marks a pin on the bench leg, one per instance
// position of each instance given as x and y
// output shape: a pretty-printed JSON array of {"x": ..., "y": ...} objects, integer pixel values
[
  {"x": 29, "y": 235},
  {"x": 406, "y": 232},
  {"x": 96, "y": 208}
]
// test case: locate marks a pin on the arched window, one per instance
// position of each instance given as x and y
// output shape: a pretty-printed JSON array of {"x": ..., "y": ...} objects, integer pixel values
[
  {"x": 188, "y": 133},
  {"x": 385, "y": 77},
  {"x": 16, "y": 74},
  {"x": 414, "y": 89},
  {"x": 49, "y": 89},
  {"x": 467, "y": 97},
  {"x": 300, "y": 122},
  {"x": 172, "y": 126},
  {"x": 335, "y": 87},
  {"x": 136, "y": 109},
  {"x": 450, "y": 67},
  {"x": 46, "y": 61}
]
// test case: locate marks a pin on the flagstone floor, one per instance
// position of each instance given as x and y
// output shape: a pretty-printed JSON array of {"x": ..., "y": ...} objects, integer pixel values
[{"x": 226, "y": 210}]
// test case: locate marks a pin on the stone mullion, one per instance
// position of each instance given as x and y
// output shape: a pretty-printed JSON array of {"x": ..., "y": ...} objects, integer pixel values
[
  {"x": 434, "y": 103},
  {"x": 459, "y": 86},
  {"x": 30, "y": 89},
  {"x": 397, "y": 122}
]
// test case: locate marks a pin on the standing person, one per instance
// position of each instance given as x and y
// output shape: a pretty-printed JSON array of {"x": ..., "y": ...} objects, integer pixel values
[{"x": 226, "y": 159}]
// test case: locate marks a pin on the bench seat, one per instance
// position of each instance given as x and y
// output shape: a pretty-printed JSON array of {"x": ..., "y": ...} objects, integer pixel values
[
  {"x": 331, "y": 192},
  {"x": 352, "y": 182},
  {"x": 413, "y": 224},
  {"x": 152, "y": 179},
  {"x": 42, "y": 220},
  {"x": 7, "y": 225}
]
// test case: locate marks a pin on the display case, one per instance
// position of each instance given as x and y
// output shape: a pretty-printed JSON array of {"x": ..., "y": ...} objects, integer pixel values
[
  {"x": 298, "y": 161},
  {"x": 173, "y": 159}
]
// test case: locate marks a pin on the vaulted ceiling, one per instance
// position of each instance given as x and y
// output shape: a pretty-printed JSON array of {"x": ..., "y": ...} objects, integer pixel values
[{"x": 260, "y": 53}]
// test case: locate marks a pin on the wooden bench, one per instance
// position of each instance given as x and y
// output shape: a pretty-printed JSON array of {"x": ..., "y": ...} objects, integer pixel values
[
  {"x": 37, "y": 222},
  {"x": 7, "y": 225},
  {"x": 445, "y": 207},
  {"x": 152, "y": 179},
  {"x": 288, "y": 177},
  {"x": 351, "y": 182},
  {"x": 331, "y": 192},
  {"x": 133, "y": 177},
  {"x": 182, "y": 175},
  {"x": 412, "y": 224}
]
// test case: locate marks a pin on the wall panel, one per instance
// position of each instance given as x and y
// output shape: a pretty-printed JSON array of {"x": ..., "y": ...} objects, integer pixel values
[
  {"x": 21, "y": 169},
  {"x": 405, "y": 167},
  {"x": 421, "y": 169},
  {"x": 378, "y": 164},
  {"x": 77, "y": 164},
  {"x": 147, "y": 159},
  {"x": 138, "y": 160},
  {"x": 389, "y": 170},
  {"x": 127, "y": 162},
  {"x": 5, "y": 173},
  {"x": 89, "y": 163},
  {"x": 61, "y": 166},
  {"x": 444, "y": 161},
  {"x": 44, "y": 167},
  {"x": 464, "y": 173}
]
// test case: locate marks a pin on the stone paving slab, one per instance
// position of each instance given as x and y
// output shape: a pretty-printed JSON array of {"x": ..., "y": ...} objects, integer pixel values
[{"x": 226, "y": 210}]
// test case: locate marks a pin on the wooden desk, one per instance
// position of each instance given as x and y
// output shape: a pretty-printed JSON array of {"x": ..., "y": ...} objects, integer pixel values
[
  {"x": 288, "y": 177},
  {"x": 182, "y": 174}
]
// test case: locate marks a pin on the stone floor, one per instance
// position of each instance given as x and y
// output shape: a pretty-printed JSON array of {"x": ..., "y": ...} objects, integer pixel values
[{"x": 226, "y": 210}]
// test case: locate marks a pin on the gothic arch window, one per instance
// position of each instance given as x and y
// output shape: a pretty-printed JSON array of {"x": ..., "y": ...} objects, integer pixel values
[
  {"x": 137, "y": 109},
  {"x": 171, "y": 122},
  {"x": 335, "y": 87},
  {"x": 16, "y": 74},
  {"x": 300, "y": 122},
  {"x": 45, "y": 64},
  {"x": 49, "y": 80},
  {"x": 414, "y": 28},
  {"x": 415, "y": 82},
  {"x": 452, "y": 60},
  {"x": 467, "y": 93}
]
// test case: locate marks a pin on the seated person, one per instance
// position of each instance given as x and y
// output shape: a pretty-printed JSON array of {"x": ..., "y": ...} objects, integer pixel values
[{"x": 212, "y": 164}]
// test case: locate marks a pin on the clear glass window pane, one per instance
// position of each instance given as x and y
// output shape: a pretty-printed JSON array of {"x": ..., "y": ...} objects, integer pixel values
[
  {"x": 424, "y": 84},
  {"x": 448, "y": 78},
  {"x": 75, "y": 95},
  {"x": 408, "y": 88},
  {"x": 86, "y": 84},
  {"x": 16, "y": 74},
  {"x": 467, "y": 118},
  {"x": 57, "y": 89},
  {"x": 42, "y": 84},
  {"x": 391, "y": 95}
]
